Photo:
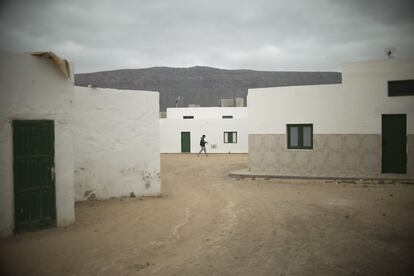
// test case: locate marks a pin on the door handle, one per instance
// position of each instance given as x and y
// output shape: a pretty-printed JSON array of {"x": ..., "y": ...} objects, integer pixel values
[{"x": 52, "y": 173}]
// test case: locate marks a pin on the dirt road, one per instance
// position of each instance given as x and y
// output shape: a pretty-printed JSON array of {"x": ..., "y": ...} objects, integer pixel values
[{"x": 206, "y": 223}]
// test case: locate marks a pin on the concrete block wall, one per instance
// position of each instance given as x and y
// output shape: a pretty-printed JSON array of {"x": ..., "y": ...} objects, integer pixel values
[{"x": 333, "y": 155}]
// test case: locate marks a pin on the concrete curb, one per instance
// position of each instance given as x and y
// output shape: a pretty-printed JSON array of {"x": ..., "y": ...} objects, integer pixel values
[{"x": 245, "y": 173}]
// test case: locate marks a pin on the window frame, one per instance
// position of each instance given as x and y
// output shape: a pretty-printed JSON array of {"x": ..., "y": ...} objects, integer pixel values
[
  {"x": 234, "y": 141},
  {"x": 400, "y": 88},
  {"x": 227, "y": 116},
  {"x": 189, "y": 117},
  {"x": 300, "y": 136}
]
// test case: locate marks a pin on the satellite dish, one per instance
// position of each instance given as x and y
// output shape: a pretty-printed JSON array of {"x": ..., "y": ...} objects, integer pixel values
[{"x": 390, "y": 51}]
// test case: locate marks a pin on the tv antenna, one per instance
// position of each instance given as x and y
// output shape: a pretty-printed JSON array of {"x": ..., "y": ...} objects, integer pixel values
[{"x": 390, "y": 51}]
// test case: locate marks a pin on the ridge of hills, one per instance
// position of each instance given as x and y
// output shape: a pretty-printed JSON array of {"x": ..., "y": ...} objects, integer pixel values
[{"x": 200, "y": 85}]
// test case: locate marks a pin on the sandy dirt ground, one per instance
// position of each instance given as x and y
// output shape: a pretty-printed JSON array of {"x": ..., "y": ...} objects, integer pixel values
[{"x": 206, "y": 223}]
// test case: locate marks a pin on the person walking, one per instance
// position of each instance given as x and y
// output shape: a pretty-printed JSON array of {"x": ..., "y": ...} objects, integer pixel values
[{"x": 203, "y": 143}]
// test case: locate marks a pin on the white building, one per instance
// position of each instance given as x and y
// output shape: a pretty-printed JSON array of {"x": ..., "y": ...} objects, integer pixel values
[
  {"x": 225, "y": 129},
  {"x": 363, "y": 127},
  {"x": 117, "y": 143},
  {"x": 56, "y": 140},
  {"x": 36, "y": 149}
]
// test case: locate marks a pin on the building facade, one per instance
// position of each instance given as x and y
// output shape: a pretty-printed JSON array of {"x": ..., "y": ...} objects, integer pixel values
[
  {"x": 36, "y": 160},
  {"x": 59, "y": 143},
  {"x": 225, "y": 129},
  {"x": 361, "y": 128}
]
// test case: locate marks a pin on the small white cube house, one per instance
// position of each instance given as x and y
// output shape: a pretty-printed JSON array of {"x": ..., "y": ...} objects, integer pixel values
[
  {"x": 225, "y": 129},
  {"x": 36, "y": 160},
  {"x": 59, "y": 143},
  {"x": 362, "y": 128}
]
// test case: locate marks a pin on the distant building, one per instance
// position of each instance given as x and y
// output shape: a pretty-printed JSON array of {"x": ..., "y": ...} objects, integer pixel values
[
  {"x": 225, "y": 129},
  {"x": 239, "y": 102},
  {"x": 227, "y": 102},
  {"x": 361, "y": 128}
]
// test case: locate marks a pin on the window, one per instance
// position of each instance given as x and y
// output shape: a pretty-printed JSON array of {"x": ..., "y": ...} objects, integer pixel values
[
  {"x": 227, "y": 116},
  {"x": 300, "y": 136},
  {"x": 401, "y": 88},
  {"x": 230, "y": 137},
  {"x": 188, "y": 117}
]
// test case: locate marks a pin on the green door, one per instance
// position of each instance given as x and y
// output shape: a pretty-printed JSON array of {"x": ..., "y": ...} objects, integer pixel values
[
  {"x": 33, "y": 168},
  {"x": 394, "y": 142},
  {"x": 185, "y": 142}
]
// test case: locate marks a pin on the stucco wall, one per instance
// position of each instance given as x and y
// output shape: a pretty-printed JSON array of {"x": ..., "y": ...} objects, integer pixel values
[
  {"x": 206, "y": 121},
  {"x": 117, "y": 143},
  {"x": 339, "y": 111},
  {"x": 34, "y": 88}
]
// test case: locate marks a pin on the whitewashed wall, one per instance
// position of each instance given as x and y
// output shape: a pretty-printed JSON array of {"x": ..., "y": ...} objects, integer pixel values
[
  {"x": 208, "y": 121},
  {"x": 117, "y": 143},
  {"x": 207, "y": 112},
  {"x": 355, "y": 106},
  {"x": 34, "y": 88}
]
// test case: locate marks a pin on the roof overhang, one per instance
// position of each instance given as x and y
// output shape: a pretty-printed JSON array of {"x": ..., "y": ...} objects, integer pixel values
[{"x": 61, "y": 63}]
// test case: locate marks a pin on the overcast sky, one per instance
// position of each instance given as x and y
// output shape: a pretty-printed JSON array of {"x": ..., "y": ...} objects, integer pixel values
[{"x": 258, "y": 34}]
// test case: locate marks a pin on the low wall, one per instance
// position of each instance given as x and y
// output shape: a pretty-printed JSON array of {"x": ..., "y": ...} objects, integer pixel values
[{"x": 117, "y": 144}]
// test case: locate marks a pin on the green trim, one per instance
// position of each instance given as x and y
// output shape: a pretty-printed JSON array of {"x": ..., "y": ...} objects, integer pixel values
[{"x": 300, "y": 136}]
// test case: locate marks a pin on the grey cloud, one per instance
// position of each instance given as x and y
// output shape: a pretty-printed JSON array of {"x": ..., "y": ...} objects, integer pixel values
[{"x": 266, "y": 35}]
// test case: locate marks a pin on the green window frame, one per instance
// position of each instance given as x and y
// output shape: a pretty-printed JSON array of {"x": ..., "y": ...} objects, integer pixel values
[
  {"x": 400, "y": 88},
  {"x": 299, "y": 136},
  {"x": 230, "y": 137}
]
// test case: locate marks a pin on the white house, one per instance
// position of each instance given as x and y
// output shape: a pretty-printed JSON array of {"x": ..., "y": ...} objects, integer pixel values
[
  {"x": 36, "y": 149},
  {"x": 117, "y": 143},
  {"x": 363, "y": 127},
  {"x": 225, "y": 129},
  {"x": 59, "y": 143}
]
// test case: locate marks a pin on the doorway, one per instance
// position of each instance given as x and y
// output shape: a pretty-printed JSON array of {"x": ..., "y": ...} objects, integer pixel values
[
  {"x": 185, "y": 142},
  {"x": 394, "y": 143},
  {"x": 34, "y": 176}
]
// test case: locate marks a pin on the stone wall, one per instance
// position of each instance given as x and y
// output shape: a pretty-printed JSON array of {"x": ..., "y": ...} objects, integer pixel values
[{"x": 333, "y": 155}]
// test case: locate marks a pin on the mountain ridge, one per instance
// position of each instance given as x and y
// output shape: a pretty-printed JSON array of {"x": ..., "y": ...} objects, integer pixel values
[{"x": 202, "y": 85}]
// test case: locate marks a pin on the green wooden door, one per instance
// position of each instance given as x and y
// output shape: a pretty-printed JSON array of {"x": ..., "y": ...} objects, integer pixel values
[
  {"x": 185, "y": 142},
  {"x": 33, "y": 166},
  {"x": 394, "y": 142}
]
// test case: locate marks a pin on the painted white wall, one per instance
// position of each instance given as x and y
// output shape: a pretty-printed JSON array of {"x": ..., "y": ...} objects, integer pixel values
[
  {"x": 208, "y": 121},
  {"x": 207, "y": 112},
  {"x": 355, "y": 106},
  {"x": 117, "y": 143},
  {"x": 34, "y": 88}
]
